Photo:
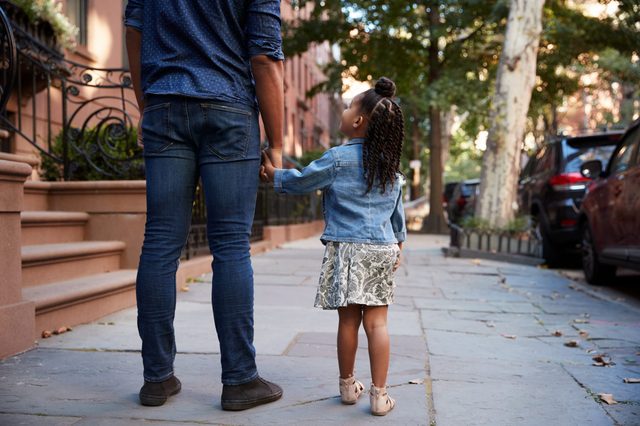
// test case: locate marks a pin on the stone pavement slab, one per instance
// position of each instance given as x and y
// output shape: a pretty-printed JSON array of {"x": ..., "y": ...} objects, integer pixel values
[{"x": 471, "y": 344}]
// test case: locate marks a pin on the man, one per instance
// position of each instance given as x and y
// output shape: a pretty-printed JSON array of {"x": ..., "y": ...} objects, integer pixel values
[{"x": 197, "y": 67}]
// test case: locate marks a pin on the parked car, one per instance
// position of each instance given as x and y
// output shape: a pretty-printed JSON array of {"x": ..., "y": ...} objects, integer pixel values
[
  {"x": 551, "y": 189},
  {"x": 610, "y": 213},
  {"x": 463, "y": 200},
  {"x": 448, "y": 192}
]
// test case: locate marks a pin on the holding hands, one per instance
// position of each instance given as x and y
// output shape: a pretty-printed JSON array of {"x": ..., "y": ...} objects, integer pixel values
[{"x": 271, "y": 160}]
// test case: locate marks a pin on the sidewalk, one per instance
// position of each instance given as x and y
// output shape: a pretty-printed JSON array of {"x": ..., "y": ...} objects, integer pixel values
[{"x": 475, "y": 335}]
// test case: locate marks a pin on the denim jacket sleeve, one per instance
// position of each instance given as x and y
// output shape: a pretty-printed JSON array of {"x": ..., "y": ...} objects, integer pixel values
[
  {"x": 397, "y": 220},
  {"x": 263, "y": 29},
  {"x": 133, "y": 14},
  {"x": 317, "y": 175}
]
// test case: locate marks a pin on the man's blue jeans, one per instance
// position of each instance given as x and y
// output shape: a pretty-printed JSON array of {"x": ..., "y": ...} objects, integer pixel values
[{"x": 186, "y": 139}]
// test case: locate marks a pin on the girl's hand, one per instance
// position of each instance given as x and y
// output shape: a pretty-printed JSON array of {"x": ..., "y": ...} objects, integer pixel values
[{"x": 399, "y": 260}]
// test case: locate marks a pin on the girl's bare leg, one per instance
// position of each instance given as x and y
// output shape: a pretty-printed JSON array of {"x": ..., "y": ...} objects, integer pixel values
[
  {"x": 375, "y": 325},
  {"x": 350, "y": 318}
]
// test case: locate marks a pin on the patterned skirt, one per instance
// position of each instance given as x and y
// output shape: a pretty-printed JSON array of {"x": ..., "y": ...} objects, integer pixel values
[{"x": 355, "y": 273}]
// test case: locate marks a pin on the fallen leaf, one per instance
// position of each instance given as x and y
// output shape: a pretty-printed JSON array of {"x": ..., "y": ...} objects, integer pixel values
[
  {"x": 46, "y": 334},
  {"x": 184, "y": 288},
  {"x": 581, "y": 321},
  {"x": 583, "y": 334},
  {"x": 60, "y": 330},
  {"x": 508, "y": 336},
  {"x": 476, "y": 261},
  {"x": 608, "y": 398},
  {"x": 571, "y": 344},
  {"x": 631, "y": 380},
  {"x": 543, "y": 266},
  {"x": 416, "y": 381},
  {"x": 111, "y": 323},
  {"x": 602, "y": 361},
  {"x": 557, "y": 333}
]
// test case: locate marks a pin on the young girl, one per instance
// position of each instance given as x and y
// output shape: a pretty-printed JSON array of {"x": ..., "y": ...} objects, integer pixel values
[{"x": 364, "y": 231}]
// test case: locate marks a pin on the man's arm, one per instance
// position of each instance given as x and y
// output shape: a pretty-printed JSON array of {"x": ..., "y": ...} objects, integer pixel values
[
  {"x": 264, "y": 44},
  {"x": 133, "y": 21},
  {"x": 134, "y": 45},
  {"x": 268, "y": 74}
]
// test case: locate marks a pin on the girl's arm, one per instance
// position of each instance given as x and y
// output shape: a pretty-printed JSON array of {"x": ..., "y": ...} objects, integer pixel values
[
  {"x": 317, "y": 175},
  {"x": 397, "y": 220}
]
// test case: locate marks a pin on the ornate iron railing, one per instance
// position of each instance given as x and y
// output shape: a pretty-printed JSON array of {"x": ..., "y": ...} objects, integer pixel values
[{"x": 81, "y": 119}]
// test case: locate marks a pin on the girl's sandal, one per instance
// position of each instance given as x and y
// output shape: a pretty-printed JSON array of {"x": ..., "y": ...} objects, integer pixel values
[
  {"x": 350, "y": 390},
  {"x": 381, "y": 402}
]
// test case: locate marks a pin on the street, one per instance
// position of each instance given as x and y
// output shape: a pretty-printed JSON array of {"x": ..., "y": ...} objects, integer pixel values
[{"x": 473, "y": 342}]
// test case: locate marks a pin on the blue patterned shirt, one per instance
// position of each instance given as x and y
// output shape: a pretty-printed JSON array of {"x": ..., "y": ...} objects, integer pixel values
[{"x": 202, "y": 48}]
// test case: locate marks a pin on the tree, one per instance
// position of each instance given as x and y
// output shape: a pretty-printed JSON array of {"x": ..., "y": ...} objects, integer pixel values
[{"x": 514, "y": 83}]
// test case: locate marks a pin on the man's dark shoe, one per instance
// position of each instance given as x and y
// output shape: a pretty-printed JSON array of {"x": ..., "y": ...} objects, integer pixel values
[
  {"x": 249, "y": 395},
  {"x": 157, "y": 393}
]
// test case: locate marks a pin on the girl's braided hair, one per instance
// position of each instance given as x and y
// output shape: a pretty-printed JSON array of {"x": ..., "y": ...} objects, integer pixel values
[{"x": 383, "y": 144}]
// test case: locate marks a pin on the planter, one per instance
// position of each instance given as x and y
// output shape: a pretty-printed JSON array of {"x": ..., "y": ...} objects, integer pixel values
[{"x": 41, "y": 31}]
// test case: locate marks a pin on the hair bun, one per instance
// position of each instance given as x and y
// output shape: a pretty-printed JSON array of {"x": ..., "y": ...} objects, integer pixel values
[{"x": 385, "y": 87}]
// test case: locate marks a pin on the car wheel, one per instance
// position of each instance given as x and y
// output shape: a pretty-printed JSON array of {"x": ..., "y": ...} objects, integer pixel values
[
  {"x": 594, "y": 272},
  {"x": 550, "y": 253}
]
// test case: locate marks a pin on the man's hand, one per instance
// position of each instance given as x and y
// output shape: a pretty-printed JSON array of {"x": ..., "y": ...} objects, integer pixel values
[{"x": 267, "y": 170}]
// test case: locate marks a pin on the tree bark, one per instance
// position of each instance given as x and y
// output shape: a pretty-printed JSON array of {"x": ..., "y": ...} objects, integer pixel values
[
  {"x": 515, "y": 80},
  {"x": 435, "y": 222}
]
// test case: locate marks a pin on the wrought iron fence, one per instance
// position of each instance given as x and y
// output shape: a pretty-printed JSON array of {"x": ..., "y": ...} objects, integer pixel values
[
  {"x": 271, "y": 209},
  {"x": 82, "y": 113},
  {"x": 507, "y": 242}
]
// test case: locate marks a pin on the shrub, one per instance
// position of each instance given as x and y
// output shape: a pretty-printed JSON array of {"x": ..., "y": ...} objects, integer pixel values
[{"x": 116, "y": 157}]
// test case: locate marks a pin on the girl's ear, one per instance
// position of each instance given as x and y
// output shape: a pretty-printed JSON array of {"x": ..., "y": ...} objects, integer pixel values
[{"x": 357, "y": 122}]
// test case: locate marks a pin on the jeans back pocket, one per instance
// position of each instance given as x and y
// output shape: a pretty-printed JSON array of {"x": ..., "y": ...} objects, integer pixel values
[
  {"x": 226, "y": 130},
  {"x": 155, "y": 128}
]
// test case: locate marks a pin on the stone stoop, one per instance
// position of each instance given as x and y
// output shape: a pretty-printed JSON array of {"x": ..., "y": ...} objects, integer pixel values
[
  {"x": 46, "y": 263},
  {"x": 69, "y": 280},
  {"x": 45, "y": 227},
  {"x": 80, "y": 300}
]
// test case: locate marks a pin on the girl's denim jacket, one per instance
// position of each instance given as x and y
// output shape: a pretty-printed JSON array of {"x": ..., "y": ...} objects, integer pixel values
[{"x": 351, "y": 214}]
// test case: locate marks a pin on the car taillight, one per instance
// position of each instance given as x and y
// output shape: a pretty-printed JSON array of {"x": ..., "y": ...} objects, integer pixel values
[
  {"x": 566, "y": 223},
  {"x": 461, "y": 202},
  {"x": 569, "y": 182}
]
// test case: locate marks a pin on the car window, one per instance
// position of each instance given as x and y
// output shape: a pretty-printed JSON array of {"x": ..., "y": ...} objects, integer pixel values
[
  {"x": 624, "y": 156},
  {"x": 575, "y": 157},
  {"x": 526, "y": 170},
  {"x": 542, "y": 160}
]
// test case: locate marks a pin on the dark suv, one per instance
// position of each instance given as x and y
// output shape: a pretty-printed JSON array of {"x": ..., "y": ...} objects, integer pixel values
[{"x": 551, "y": 189}]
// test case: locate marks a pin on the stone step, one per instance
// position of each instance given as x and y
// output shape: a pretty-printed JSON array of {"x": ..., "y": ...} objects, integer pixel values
[
  {"x": 81, "y": 300},
  {"x": 48, "y": 227},
  {"x": 47, "y": 263}
]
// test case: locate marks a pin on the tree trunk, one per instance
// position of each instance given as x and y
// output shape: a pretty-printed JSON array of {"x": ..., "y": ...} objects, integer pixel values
[
  {"x": 514, "y": 83},
  {"x": 435, "y": 222}
]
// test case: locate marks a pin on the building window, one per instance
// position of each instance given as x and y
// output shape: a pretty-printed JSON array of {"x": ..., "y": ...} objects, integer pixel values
[{"x": 77, "y": 13}]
